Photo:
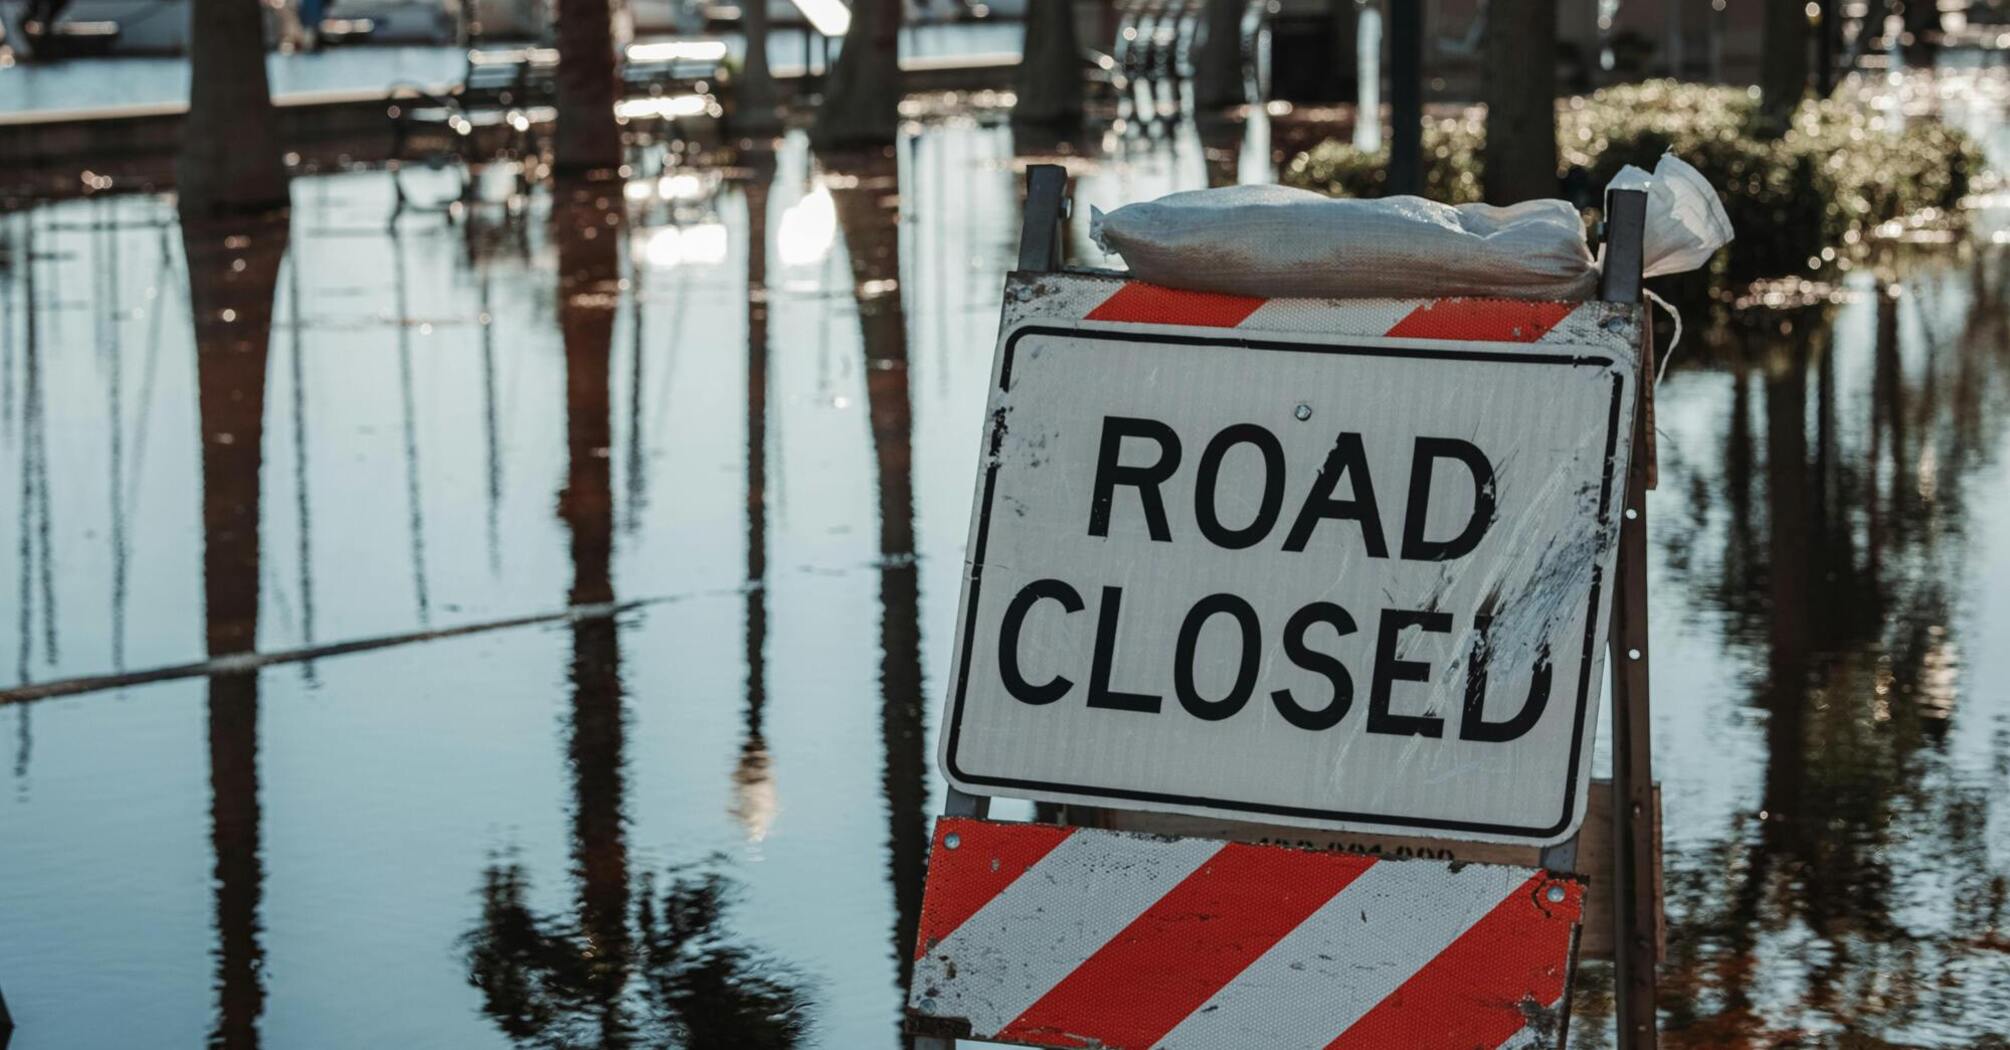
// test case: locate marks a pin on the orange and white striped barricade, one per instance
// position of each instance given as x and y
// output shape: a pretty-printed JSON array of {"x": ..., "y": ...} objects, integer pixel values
[{"x": 1050, "y": 936}]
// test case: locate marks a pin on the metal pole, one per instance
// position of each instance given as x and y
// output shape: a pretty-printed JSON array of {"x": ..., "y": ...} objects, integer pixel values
[
  {"x": 1635, "y": 911},
  {"x": 1406, "y": 96},
  {"x": 1625, "y": 232},
  {"x": 1046, "y": 206}
]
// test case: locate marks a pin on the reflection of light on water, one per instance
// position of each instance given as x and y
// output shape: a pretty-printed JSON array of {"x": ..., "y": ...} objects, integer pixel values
[
  {"x": 754, "y": 800},
  {"x": 1939, "y": 675},
  {"x": 703, "y": 245},
  {"x": 680, "y": 186},
  {"x": 666, "y": 107},
  {"x": 678, "y": 51},
  {"x": 1368, "y": 112},
  {"x": 829, "y": 17},
  {"x": 808, "y": 229}
]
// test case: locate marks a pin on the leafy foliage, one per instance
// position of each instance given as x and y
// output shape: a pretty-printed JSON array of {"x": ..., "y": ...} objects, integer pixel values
[
  {"x": 1840, "y": 170},
  {"x": 674, "y": 978}
]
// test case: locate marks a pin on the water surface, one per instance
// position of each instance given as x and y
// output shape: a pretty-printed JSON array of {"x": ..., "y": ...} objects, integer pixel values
[{"x": 721, "y": 434}]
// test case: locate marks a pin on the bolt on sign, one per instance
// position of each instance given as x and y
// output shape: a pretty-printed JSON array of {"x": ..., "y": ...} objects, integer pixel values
[
  {"x": 1340, "y": 564},
  {"x": 1038, "y": 935}
]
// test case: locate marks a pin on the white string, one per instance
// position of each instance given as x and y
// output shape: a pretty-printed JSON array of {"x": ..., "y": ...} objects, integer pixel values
[{"x": 1674, "y": 339}]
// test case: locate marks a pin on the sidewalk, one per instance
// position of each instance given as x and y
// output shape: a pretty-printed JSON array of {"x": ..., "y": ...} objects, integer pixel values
[{"x": 89, "y": 87}]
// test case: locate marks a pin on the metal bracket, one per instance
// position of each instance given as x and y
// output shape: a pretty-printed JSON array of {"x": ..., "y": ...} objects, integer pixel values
[
  {"x": 1046, "y": 205},
  {"x": 1635, "y": 902},
  {"x": 1625, "y": 233}
]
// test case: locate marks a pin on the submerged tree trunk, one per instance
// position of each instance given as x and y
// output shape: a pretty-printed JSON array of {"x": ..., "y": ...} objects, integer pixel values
[
  {"x": 756, "y": 109},
  {"x": 231, "y": 160},
  {"x": 861, "y": 105},
  {"x": 587, "y": 139},
  {"x": 1048, "y": 81},
  {"x": 1217, "y": 77},
  {"x": 1921, "y": 39},
  {"x": 1783, "y": 72},
  {"x": 1520, "y": 93}
]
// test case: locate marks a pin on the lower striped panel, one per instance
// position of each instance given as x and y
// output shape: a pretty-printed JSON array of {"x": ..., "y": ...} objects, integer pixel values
[{"x": 1072, "y": 938}]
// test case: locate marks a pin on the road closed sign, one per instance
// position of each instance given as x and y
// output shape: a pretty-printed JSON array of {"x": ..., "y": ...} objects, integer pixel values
[{"x": 1336, "y": 564}]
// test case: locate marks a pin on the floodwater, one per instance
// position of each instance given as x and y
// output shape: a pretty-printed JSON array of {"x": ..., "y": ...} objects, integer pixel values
[{"x": 657, "y": 509}]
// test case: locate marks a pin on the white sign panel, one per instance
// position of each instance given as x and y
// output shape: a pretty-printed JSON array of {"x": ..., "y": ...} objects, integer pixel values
[{"x": 1335, "y": 564}]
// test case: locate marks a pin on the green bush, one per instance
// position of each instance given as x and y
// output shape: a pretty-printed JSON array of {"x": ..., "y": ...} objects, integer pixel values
[{"x": 1835, "y": 174}]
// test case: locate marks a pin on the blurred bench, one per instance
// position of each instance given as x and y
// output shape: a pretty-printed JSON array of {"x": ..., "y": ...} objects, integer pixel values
[
  {"x": 666, "y": 67},
  {"x": 487, "y": 117},
  {"x": 504, "y": 95}
]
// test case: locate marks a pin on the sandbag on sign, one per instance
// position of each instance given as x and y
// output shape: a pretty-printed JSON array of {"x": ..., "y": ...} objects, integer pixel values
[{"x": 1276, "y": 241}]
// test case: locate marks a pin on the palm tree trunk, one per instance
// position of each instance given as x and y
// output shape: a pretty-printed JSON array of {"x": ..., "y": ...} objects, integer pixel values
[
  {"x": 1048, "y": 81},
  {"x": 1217, "y": 80},
  {"x": 1520, "y": 92},
  {"x": 861, "y": 106},
  {"x": 1783, "y": 72},
  {"x": 755, "y": 109},
  {"x": 1922, "y": 32},
  {"x": 587, "y": 139},
  {"x": 231, "y": 158}
]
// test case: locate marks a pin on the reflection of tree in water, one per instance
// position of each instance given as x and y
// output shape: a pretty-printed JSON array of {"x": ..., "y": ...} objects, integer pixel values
[
  {"x": 633, "y": 968},
  {"x": 866, "y": 196},
  {"x": 233, "y": 272},
  {"x": 754, "y": 803},
  {"x": 1858, "y": 893},
  {"x": 692, "y": 986}
]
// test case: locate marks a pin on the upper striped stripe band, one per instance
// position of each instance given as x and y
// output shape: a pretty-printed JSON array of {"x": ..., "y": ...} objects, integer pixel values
[{"x": 1458, "y": 320}]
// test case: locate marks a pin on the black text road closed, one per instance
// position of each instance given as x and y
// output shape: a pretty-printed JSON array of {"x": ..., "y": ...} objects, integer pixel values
[{"x": 1314, "y": 574}]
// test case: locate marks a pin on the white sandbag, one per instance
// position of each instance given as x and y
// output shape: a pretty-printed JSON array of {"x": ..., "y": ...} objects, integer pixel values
[{"x": 1277, "y": 241}]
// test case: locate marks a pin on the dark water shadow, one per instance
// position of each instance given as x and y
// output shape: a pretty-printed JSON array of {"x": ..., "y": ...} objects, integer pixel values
[
  {"x": 233, "y": 275},
  {"x": 627, "y": 965},
  {"x": 866, "y": 193},
  {"x": 1844, "y": 509}
]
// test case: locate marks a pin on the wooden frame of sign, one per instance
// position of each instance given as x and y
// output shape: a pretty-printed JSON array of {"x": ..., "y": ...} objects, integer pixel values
[{"x": 1618, "y": 847}]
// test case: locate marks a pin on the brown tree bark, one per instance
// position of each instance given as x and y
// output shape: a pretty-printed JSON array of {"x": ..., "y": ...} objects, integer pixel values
[
  {"x": 1783, "y": 69},
  {"x": 231, "y": 159},
  {"x": 587, "y": 141},
  {"x": 1048, "y": 82},
  {"x": 1519, "y": 88},
  {"x": 1217, "y": 77},
  {"x": 861, "y": 104}
]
